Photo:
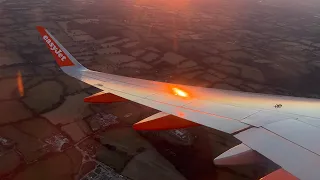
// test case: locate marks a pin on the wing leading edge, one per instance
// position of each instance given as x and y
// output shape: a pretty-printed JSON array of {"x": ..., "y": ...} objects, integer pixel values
[
  {"x": 250, "y": 117},
  {"x": 157, "y": 95}
]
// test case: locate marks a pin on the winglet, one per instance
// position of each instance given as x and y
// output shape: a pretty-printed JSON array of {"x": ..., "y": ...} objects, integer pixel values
[{"x": 61, "y": 55}]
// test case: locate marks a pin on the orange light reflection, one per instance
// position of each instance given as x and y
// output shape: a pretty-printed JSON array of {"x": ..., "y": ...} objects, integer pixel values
[
  {"x": 180, "y": 92},
  {"x": 20, "y": 84}
]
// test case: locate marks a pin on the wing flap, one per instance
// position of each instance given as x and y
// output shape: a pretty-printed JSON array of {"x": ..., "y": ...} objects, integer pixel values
[
  {"x": 300, "y": 133},
  {"x": 295, "y": 159}
]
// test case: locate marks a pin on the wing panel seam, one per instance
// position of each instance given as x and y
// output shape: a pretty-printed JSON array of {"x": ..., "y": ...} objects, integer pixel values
[{"x": 291, "y": 141}]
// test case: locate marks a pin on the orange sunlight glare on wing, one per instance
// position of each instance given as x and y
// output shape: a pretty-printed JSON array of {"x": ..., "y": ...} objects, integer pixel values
[
  {"x": 179, "y": 92},
  {"x": 20, "y": 84}
]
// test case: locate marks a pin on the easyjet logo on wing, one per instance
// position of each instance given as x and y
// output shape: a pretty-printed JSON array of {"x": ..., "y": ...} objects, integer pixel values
[{"x": 54, "y": 48}]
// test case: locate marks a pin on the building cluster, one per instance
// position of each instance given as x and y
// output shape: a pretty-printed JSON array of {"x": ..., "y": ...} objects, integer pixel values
[
  {"x": 102, "y": 120},
  {"x": 6, "y": 143},
  {"x": 103, "y": 172},
  {"x": 182, "y": 135},
  {"x": 56, "y": 142}
]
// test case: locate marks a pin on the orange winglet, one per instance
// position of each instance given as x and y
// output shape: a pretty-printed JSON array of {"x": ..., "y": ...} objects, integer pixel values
[
  {"x": 60, "y": 56},
  {"x": 166, "y": 122},
  {"x": 103, "y": 97}
]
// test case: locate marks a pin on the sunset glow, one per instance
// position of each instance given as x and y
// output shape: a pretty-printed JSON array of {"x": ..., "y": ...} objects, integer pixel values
[{"x": 20, "y": 84}]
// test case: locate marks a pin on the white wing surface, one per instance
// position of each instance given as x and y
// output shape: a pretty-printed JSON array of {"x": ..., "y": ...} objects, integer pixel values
[{"x": 283, "y": 129}]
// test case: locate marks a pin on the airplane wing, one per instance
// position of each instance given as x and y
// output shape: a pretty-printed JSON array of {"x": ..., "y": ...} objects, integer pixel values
[{"x": 283, "y": 129}]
